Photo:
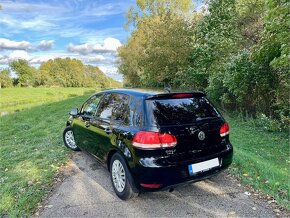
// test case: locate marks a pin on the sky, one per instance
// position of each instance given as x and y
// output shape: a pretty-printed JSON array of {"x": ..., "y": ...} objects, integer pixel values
[
  {"x": 89, "y": 30},
  {"x": 38, "y": 30}
]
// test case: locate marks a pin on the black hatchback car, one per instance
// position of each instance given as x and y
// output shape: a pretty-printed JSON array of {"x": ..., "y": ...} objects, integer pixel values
[{"x": 151, "y": 141}]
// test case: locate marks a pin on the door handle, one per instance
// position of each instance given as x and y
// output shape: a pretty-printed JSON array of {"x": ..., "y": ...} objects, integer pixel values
[
  {"x": 108, "y": 130},
  {"x": 87, "y": 124}
]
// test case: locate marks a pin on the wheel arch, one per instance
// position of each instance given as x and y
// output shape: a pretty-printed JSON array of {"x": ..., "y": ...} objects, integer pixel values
[
  {"x": 131, "y": 179},
  {"x": 109, "y": 157}
]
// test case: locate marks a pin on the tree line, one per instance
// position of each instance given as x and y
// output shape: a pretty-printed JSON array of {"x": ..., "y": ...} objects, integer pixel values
[
  {"x": 60, "y": 72},
  {"x": 237, "y": 51}
]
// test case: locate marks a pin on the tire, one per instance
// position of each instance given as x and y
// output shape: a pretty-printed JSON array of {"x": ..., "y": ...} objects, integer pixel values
[
  {"x": 120, "y": 172},
  {"x": 69, "y": 140}
]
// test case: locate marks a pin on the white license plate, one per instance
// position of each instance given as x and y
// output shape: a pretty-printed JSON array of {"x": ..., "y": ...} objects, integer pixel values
[{"x": 203, "y": 166}]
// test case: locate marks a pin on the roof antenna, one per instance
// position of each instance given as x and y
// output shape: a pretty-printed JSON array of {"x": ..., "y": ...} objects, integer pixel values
[{"x": 167, "y": 88}]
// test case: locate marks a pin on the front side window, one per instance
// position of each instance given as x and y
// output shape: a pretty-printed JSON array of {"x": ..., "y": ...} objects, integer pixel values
[{"x": 90, "y": 107}]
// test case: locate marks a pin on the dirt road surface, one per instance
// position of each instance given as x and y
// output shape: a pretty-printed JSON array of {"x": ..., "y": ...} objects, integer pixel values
[{"x": 87, "y": 192}]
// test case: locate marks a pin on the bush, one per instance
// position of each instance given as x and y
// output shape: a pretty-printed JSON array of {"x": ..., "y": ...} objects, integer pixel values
[{"x": 270, "y": 124}]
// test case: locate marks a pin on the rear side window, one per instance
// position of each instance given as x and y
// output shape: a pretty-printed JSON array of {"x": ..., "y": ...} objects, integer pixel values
[
  {"x": 137, "y": 111},
  {"x": 115, "y": 107},
  {"x": 121, "y": 110},
  {"x": 179, "y": 111}
]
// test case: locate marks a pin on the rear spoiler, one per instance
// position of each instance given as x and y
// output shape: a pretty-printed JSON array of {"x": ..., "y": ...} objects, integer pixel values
[{"x": 175, "y": 95}]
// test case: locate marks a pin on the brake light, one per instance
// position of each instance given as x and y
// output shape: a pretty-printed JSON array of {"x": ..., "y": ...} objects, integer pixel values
[
  {"x": 224, "y": 130},
  {"x": 182, "y": 95},
  {"x": 153, "y": 140}
]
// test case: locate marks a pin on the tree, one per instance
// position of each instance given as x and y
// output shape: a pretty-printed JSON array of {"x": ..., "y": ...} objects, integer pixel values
[
  {"x": 157, "y": 51},
  {"x": 272, "y": 54},
  {"x": 26, "y": 73},
  {"x": 67, "y": 72},
  {"x": 62, "y": 72},
  {"x": 5, "y": 79},
  {"x": 250, "y": 20},
  {"x": 216, "y": 39}
]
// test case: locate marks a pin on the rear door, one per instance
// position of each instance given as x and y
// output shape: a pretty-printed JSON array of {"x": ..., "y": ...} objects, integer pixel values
[
  {"x": 191, "y": 119},
  {"x": 112, "y": 114}
]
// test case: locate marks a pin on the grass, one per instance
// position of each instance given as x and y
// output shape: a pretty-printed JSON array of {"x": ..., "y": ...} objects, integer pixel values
[
  {"x": 31, "y": 151},
  {"x": 16, "y": 99},
  {"x": 261, "y": 159}
]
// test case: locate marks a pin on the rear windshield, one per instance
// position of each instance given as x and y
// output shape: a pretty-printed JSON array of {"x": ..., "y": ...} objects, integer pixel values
[{"x": 179, "y": 111}]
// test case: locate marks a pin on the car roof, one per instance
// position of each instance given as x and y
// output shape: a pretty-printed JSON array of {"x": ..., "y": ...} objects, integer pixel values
[
  {"x": 133, "y": 92},
  {"x": 147, "y": 93}
]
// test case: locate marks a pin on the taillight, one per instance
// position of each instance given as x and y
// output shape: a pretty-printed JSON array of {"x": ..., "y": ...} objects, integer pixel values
[
  {"x": 224, "y": 130},
  {"x": 153, "y": 140}
]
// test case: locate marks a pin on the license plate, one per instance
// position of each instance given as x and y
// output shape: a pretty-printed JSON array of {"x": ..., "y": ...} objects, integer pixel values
[{"x": 203, "y": 166}]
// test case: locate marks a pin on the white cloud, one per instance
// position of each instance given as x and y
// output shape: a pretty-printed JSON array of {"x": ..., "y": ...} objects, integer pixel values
[
  {"x": 109, "y": 45},
  {"x": 18, "y": 54},
  {"x": 7, "y": 44},
  {"x": 36, "y": 23},
  {"x": 81, "y": 49},
  {"x": 3, "y": 59},
  {"x": 40, "y": 58},
  {"x": 12, "y": 6},
  {"x": 45, "y": 45},
  {"x": 109, "y": 69},
  {"x": 94, "y": 59},
  {"x": 14, "y": 45}
]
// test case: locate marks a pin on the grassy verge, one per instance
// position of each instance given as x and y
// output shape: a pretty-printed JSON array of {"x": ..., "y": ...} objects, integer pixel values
[
  {"x": 31, "y": 151},
  {"x": 16, "y": 99},
  {"x": 261, "y": 159}
]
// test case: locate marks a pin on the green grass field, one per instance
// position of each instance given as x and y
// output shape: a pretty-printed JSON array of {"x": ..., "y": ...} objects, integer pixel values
[
  {"x": 16, "y": 99},
  {"x": 31, "y": 151},
  {"x": 261, "y": 159}
]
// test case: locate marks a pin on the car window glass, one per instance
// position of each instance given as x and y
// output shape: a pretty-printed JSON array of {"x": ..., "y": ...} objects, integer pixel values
[
  {"x": 106, "y": 107},
  {"x": 115, "y": 107},
  {"x": 90, "y": 107},
  {"x": 121, "y": 109},
  {"x": 138, "y": 113},
  {"x": 183, "y": 111}
]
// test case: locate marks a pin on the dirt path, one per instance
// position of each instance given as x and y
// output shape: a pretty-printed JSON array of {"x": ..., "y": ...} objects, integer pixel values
[{"x": 87, "y": 192}]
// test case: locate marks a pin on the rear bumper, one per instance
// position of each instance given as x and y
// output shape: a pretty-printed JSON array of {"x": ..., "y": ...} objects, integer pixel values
[{"x": 146, "y": 172}]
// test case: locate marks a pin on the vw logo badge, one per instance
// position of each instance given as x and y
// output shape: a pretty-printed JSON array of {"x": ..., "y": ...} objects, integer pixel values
[{"x": 201, "y": 135}]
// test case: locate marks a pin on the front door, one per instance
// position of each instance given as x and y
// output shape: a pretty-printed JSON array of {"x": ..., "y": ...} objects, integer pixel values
[{"x": 84, "y": 127}]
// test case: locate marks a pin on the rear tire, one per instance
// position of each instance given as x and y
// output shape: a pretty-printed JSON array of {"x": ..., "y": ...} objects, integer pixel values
[
  {"x": 120, "y": 177},
  {"x": 69, "y": 139}
]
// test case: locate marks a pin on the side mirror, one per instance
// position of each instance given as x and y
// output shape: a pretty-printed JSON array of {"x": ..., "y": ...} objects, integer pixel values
[{"x": 74, "y": 112}]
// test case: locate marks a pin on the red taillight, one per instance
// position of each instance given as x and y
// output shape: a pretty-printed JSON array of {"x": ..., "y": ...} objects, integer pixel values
[
  {"x": 182, "y": 95},
  {"x": 224, "y": 130},
  {"x": 151, "y": 185},
  {"x": 153, "y": 140}
]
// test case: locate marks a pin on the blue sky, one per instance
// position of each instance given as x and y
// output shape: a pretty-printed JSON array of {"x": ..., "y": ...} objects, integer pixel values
[{"x": 38, "y": 30}]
